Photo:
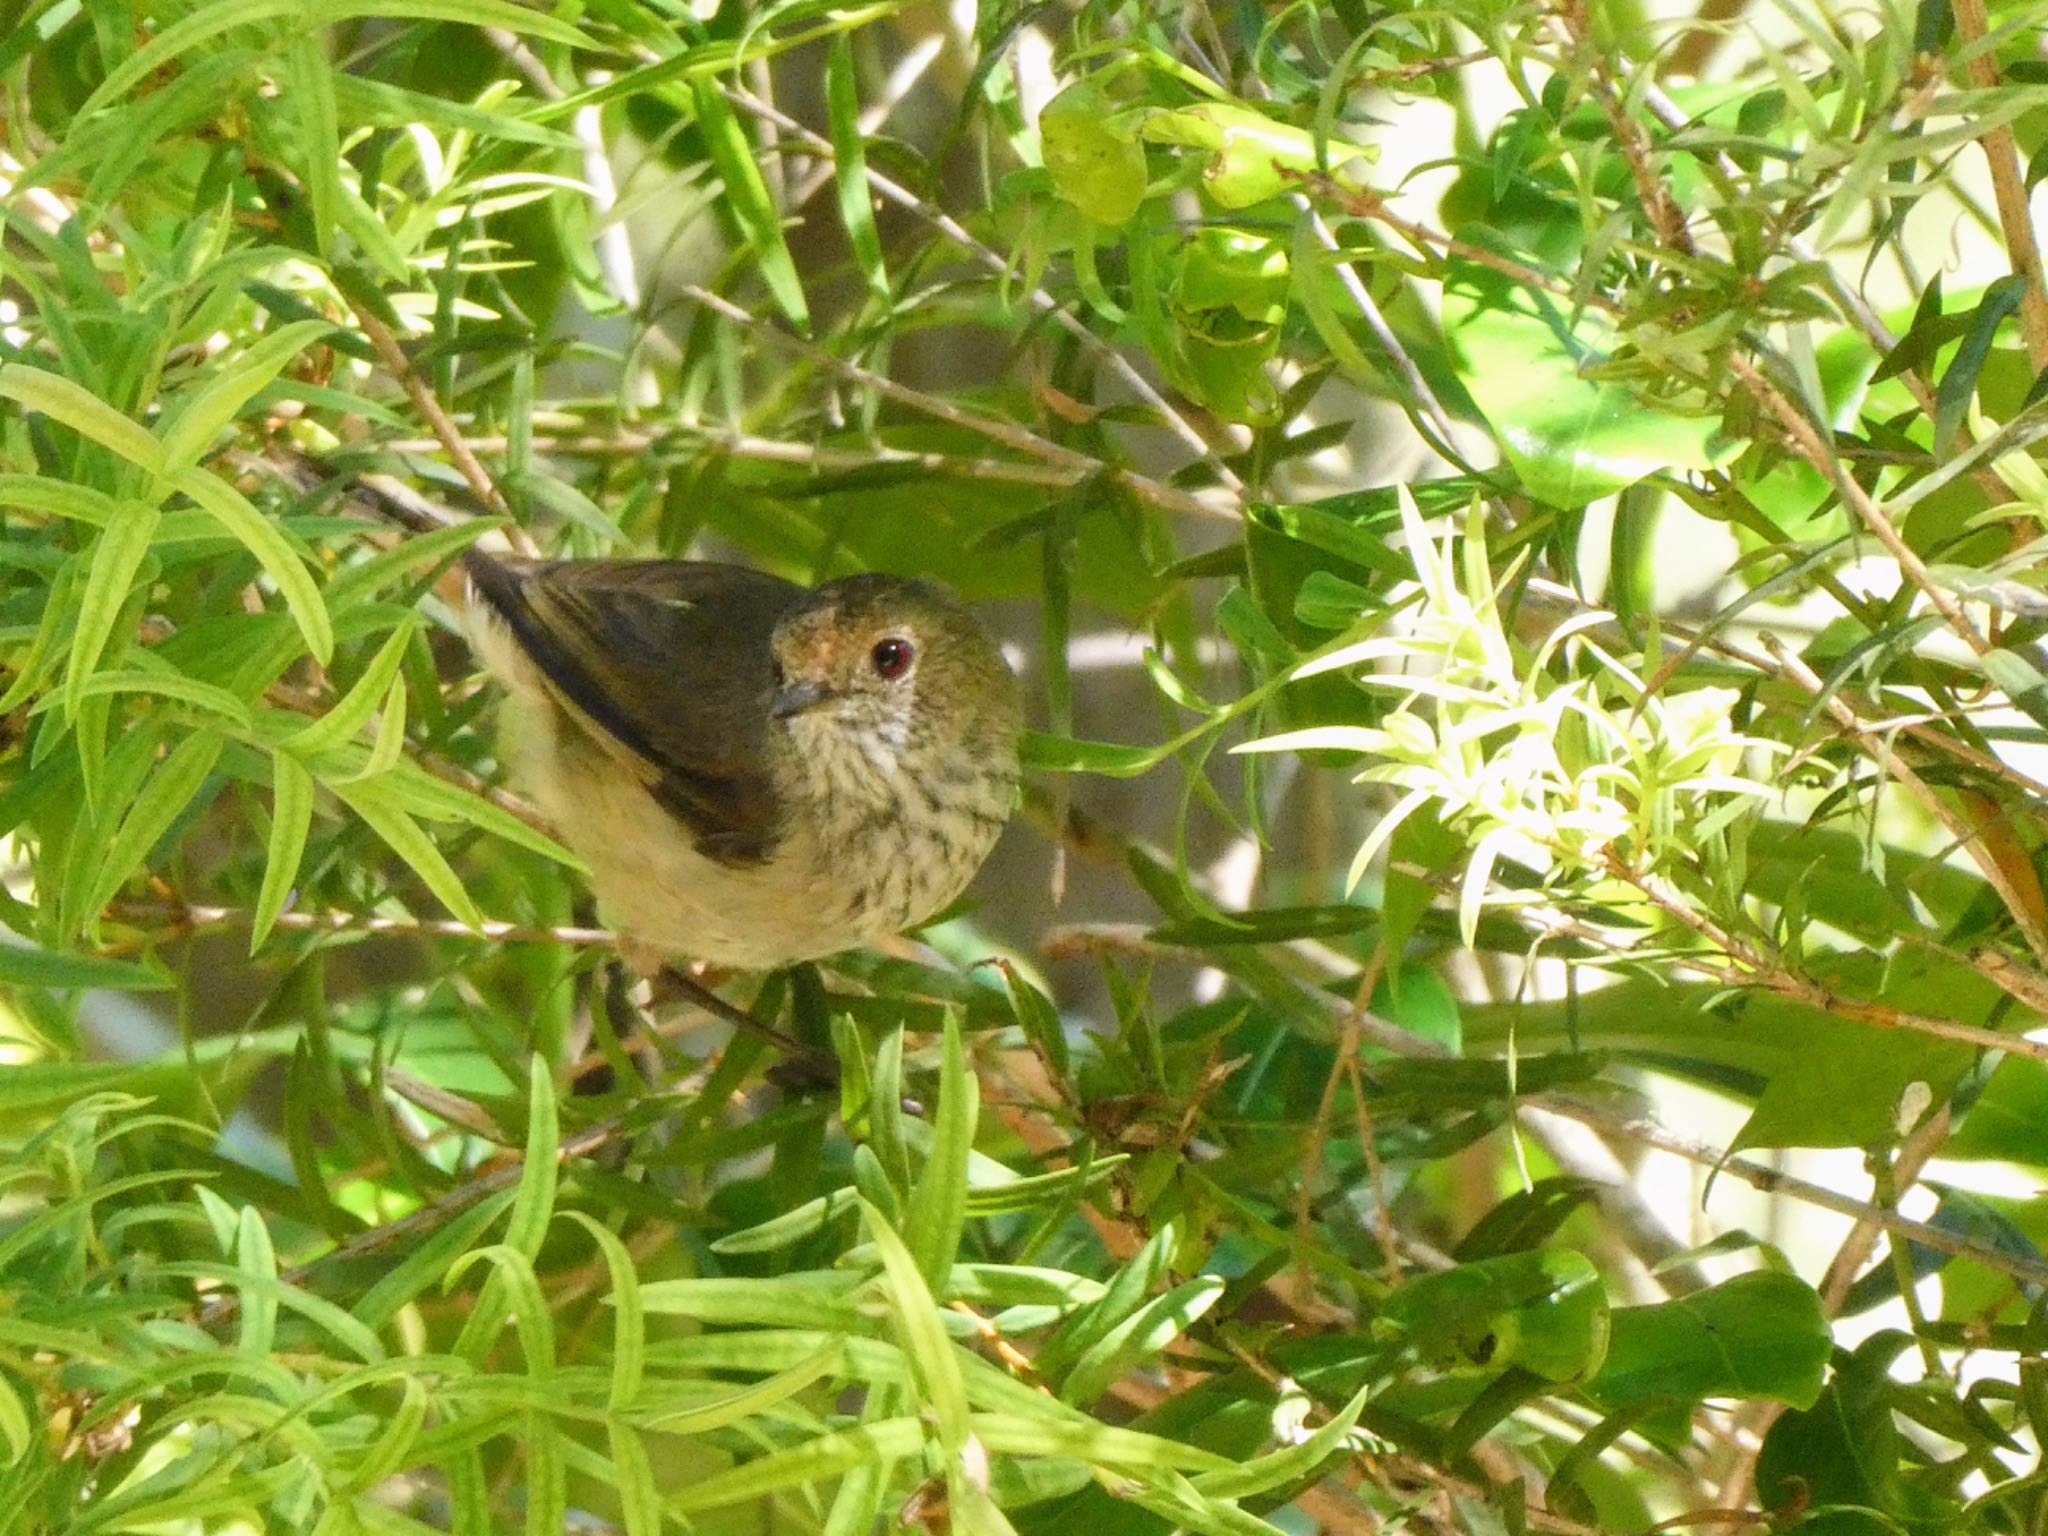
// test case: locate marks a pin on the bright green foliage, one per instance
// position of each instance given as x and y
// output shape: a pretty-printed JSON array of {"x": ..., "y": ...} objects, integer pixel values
[{"x": 1576, "y": 473}]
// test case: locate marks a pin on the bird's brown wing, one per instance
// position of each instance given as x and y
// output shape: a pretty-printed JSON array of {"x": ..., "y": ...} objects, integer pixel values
[{"x": 669, "y": 659}]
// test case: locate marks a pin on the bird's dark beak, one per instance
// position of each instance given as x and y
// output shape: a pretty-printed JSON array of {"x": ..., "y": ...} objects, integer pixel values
[{"x": 795, "y": 698}]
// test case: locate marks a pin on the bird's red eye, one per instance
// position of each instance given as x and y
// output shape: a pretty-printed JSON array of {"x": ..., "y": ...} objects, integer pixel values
[{"x": 891, "y": 657}]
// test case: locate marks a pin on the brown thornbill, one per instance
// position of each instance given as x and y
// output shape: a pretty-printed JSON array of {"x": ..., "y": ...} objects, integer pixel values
[{"x": 755, "y": 773}]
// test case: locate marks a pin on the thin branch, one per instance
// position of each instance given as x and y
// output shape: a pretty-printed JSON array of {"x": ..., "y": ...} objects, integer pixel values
[
  {"x": 1806, "y": 437},
  {"x": 400, "y": 367},
  {"x": 674, "y": 982},
  {"x": 1738, "y": 1484},
  {"x": 1755, "y": 967},
  {"x": 177, "y": 917},
  {"x": 630, "y": 442},
  {"x": 2025, "y": 906},
  {"x": 1038, "y": 298},
  {"x": 1440, "y": 433},
  {"x": 2008, "y": 183},
  {"x": 1663, "y": 212},
  {"x": 1221, "y": 506}
]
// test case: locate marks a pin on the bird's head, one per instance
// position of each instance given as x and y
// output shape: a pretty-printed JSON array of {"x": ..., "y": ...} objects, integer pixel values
[{"x": 897, "y": 667}]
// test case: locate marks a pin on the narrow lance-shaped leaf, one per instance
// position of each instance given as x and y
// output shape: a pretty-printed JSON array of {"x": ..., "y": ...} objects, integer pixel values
[
  {"x": 230, "y": 384},
  {"x": 164, "y": 798},
  {"x": 255, "y": 1255},
  {"x": 850, "y": 166},
  {"x": 372, "y": 800},
  {"x": 78, "y": 408},
  {"x": 938, "y": 1200},
  {"x": 117, "y": 555},
  {"x": 915, "y": 1315},
  {"x": 748, "y": 196},
  {"x": 355, "y": 708},
  {"x": 291, "y": 817},
  {"x": 532, "y": 1208},
  {"x": 272, "y": 551},
  {"x": 319, "y": 135}
]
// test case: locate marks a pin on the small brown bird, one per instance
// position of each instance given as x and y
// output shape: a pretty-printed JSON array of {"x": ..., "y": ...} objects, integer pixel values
[{"x": 755, "y": 773}]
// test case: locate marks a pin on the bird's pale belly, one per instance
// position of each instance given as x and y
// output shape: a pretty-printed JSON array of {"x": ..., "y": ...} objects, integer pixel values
[
  {"x": 805, "y": 901},
  {"x": 663, "y": 895}
]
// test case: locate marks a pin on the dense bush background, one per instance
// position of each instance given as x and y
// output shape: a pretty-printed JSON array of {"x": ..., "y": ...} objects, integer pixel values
[{"x": 1588, "y": 452}]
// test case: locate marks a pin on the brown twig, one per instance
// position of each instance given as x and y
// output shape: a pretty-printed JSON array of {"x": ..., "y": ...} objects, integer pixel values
[
  {"x": 995, "y": 262},
  {"x": 400, "y": 367},
  {"x": 1607, "y": 1119},
  {"x": 1220, "y": 506},
  {"x": 1812, "y": 447},
  {"x": 1755, "y": 966},
  {"x": 674, "y": 981},
  {"x": 1665, "y": 216},
  {"x": 631, "y": 442},
  {"x": 186, "y": 917},
  {"x": 2008, "y": 183},
  {"x": 2024, "y": 904}
]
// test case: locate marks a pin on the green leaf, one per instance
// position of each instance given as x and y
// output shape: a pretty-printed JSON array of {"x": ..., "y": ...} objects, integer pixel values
[
  {"x": 791, "y": 1227},
  {"x": 291, "y": 817},
  {"x": 938, "y": 1200},
  {"x": 540, "y": 1171},
  {"x": 547, "y": 1486},
  {"x": 373, "y": 800},
  {"x": 61, "y": 400},
  {"x": 1063, "y": 754},
  {"x": 1288, "y": 1464},
  {"x": 1037, "y": 1017},
  {"x": 419, "y": 792},
  {"x": 1126, "y": 1293},
  {"x": 1855, "y": 1103},
  {"x": 923, "y": 1338},
  {"x": 420, "y": 1268},
  {"x": 1140, "y": 1337},
  {"x": 1571, "y": 438},
  {"x": 255, "y": 1255},
  {"x": 748, "y": 198},
  {"x": 160, "y": 680},
  {"x": 165, "y": 797},
  {"x": 1845, "y": 1449},
  {"x": 639, "y": 1496},
  {"x": 14, "y": 1425},
  {"x": 353, "y": 711},
  {"x": 750, "y": 1402},
  {"x": 199, "y": 415},
  {"x": 273, "y": 552},
  {"x": 23, "y": 965},
  {"x": 387, "y": 1456},
  {"x": 1759, "y": 1335},
  {"x": 59, "y": 498},
  {"x": 629, "y": 1326},
  {"x": 824, "y": 1300},
  {"x": 311, "y": 79},
  {"x": 850, "y": 167},
  {"x": 1958, "y": 385},
  {"x": 117, "y": 555},
  {"x": 511, "y": 1286},
  {"x": 808, "y": 1461}
]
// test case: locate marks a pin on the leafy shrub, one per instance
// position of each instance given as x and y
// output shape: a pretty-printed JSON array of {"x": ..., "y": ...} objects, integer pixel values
[{"x": 1287, "y": 1183}]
